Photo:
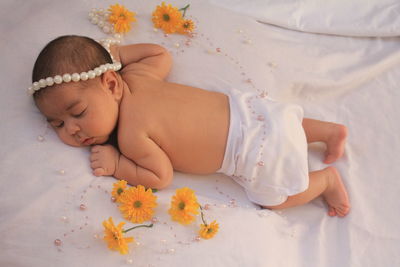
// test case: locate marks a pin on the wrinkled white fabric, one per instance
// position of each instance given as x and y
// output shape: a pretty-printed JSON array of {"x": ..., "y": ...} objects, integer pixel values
[{"x": 363, "y": 18}]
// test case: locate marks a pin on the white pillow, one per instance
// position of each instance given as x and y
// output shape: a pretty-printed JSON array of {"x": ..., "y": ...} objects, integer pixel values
[{"x": 365, "y": 18}]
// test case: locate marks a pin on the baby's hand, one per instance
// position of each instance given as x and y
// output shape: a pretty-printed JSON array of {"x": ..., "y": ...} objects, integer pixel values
[{"x": 104, "y": 160}]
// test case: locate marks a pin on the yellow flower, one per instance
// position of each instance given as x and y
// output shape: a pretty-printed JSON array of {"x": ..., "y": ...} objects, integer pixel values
[
  {"x": 167, "y": 18},
  {"x": 119, "y": 188},
  {"x": 184, "y": 205},
  {"x": 207, "y": 231},
  {"x": 114, "y": 237},
  {"x": 187, "y": 26},
  {"x": 121, "y": 18},
  {"x": 137, "y": 204}
]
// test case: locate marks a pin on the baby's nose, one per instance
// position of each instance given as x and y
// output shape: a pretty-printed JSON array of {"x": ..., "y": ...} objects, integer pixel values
[{"x": 72, "y": 128}]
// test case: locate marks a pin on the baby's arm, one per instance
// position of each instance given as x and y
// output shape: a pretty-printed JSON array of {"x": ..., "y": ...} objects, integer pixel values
[
  {"x": 151, "y": 168},
  {"x": 151, "y": 58}
]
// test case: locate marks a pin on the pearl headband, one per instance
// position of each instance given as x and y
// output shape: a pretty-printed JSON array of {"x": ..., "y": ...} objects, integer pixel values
[{"x": 76, "y": 77}]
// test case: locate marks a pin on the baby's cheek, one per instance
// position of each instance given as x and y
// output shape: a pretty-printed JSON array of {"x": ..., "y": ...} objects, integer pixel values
[{"x": 68, "y": 140}]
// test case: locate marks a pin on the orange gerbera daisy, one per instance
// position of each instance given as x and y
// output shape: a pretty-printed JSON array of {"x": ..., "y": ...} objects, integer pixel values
[
  {"x": 137, "y": 204},
  {"x": 183, "y": 206},
  {"x": 118, "y": 188},
  {"x": 187, "y": 26},
  {"x": 114, "y": 237},
  {"x": 207, "y": 231},
  {"x": 167, "y": 18},
  {"x": 121, "y": 18}
]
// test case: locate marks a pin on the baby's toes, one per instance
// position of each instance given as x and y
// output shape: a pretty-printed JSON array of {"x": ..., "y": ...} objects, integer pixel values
[{"x": 331, "y": 212}]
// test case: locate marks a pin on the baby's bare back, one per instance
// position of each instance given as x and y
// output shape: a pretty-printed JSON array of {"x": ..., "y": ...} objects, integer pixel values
[{"x": 189, "y": 124}]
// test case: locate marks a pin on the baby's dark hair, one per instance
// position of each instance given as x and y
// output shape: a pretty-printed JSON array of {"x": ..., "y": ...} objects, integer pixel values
[{"x": 68, "y": 54}]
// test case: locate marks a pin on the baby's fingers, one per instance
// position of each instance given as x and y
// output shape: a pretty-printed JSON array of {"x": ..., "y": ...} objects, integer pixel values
[
  {"x": 94, "y": 156},
  {"x": 99, "y": 172},
  {"x": 96, "y": 148},
  {"x": 95, "y": 164}
]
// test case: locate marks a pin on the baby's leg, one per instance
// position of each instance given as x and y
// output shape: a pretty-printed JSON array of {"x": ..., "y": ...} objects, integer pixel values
[
  {"x": 326, "y": 182},
  {"x": 332, "y": 134}
]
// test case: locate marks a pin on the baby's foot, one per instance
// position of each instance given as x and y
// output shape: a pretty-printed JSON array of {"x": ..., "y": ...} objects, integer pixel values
[
  {"x": 335, "y": 143},
  {"x": 336, "y": 195}
]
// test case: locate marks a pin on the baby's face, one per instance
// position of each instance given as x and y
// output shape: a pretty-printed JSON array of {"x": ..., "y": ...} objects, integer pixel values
[{"x": 80, "y": 116}]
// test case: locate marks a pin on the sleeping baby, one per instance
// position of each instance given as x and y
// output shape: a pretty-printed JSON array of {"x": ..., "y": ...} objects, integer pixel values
[{"x": 161, "y": 126}]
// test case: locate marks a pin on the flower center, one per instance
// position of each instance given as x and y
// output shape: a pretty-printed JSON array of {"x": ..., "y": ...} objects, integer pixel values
[
  {"x": 137, "y": 204},
  {"x": 115, "y": 235},
  {"x": 209, "y": 231},
  {"x": 181, "y": 205},
  {"x": 166, "y": 17},
  {"x": 119, "y": 191}
]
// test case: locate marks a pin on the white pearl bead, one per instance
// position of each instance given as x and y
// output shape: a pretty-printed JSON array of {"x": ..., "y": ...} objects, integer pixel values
[
  {"x": 117, "y": 36},
  {"x": 36, "y": 86},
  {"x": 42, "y": 83},
  {"x": 84, "y": 76},
  {"x": 67, "y": 78},
  {"x": 118, "y": 65},
  {"x": 97, "y": 71},
  {"x": 31, "y": 90},
  {"x": 103, "y": 68},
  {"x": 57, "y": 79},
  {"x": 101, "y": 23},
  {"x": 94, "y": 20},
  {"x": 91, "y": 74},
  {"x": 75, "y": 77},
  {"x": 106, "y": 29},
  {"x": 49, "y": 81}
]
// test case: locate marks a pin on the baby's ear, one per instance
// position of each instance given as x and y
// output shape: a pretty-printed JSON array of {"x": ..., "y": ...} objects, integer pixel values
[{"x": 112, "y": 82}]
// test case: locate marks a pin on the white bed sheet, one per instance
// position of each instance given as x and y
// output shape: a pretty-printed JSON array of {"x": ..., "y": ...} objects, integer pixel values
[
  {"x": 344, "y": 79},
  {"x": 363, "y": 18}
]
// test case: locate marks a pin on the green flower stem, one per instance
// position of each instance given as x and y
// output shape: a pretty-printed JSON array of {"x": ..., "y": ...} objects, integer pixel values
[
  {"x": 184, "y": 9},
  {"x": 137, "y": 226},
  {"x": 202, "y": 216}
]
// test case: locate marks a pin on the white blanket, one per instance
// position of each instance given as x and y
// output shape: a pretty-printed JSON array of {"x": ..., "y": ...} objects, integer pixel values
[{"x": 349, "y": 80}]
